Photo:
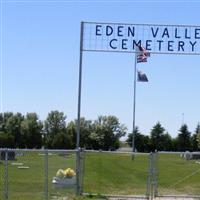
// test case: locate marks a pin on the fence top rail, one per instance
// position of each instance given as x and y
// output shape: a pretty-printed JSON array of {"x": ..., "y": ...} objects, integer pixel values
[
  {"x": 41, "y": 150},
  {"x": 116, "y": 152},
  {"x": 95, "y": 151},
  {"x": 116, "y": 196},
  {"x": 178, "y": 152},
  {"x": 180, "y": 196}
]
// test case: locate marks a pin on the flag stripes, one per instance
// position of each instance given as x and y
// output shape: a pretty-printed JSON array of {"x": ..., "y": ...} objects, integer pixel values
[{"x": 142, "y": 54}]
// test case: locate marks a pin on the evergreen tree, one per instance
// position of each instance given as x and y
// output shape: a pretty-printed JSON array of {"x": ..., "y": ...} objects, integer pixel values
[
  {"x": 184, "y": 139},
  {"x": 167, "y": 143},
  {"x": 157, "y": 137},
  {"x": 142, "y": 142},
  {"x": 196, "y": 141}
]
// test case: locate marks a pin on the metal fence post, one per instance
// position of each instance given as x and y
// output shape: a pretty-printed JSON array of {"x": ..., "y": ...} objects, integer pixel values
[
  {"x": 82, "y": 157},
  {"x": 46, "y": 188},
  {"x": 6, "y": 176},
  {"x": 149, "y": 176},
  {"x": 78, "y": 192},
  {"x": 152, "y": 177},
  {"x": 152, "y": 182},
  {"x": 155, "y": 173}
]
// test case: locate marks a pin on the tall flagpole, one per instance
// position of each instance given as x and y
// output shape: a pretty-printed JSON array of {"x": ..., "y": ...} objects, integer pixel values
[
  {"x": 78, "y": 170},
  {"x": 79, "y": 88},
  {"x": 134, "y": 103}
]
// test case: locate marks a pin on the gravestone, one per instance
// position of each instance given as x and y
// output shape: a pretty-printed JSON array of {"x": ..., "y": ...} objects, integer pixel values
[
  {"x": 11, "y": 155},
  {"x": 196, "y": 155},
  {"x": 191, "y": 155}
]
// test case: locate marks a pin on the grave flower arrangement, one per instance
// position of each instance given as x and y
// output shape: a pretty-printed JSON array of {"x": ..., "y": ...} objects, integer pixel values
[
  {"x": 67, "y": 173},
  {"x": 64, "y": 178}
]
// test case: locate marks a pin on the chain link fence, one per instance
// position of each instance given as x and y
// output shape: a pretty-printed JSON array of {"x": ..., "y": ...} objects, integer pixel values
[
  {"x": 178, "y": 174},
  {"x": 2, "y": 179},
  {"x": 115, "y": 173},
  {"x": 31, "y": 174}
]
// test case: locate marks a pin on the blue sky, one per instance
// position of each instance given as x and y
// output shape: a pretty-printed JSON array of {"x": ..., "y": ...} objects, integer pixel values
[{"x": 40, "y": 60}]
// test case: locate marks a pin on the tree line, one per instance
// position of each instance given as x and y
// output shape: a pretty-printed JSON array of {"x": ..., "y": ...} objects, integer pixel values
[
  {"x": 162, "y": 141},
  {"x": 104, "y": 133},
  {"x": 19, "y": 131}
]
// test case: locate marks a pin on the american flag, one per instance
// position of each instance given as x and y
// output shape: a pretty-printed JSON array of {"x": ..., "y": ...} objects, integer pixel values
[{"x": 142, "y": 54}]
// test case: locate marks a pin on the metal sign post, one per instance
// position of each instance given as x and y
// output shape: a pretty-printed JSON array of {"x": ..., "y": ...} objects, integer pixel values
[{"x": 134, "y": 104}]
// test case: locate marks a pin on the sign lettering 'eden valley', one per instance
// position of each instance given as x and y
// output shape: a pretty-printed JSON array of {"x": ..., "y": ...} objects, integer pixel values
[{"x": 166, "y": 39}]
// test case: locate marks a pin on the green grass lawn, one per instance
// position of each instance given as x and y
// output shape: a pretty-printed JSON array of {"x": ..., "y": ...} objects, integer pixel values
[
  {"x": 104, "y": 173},
  {"x": 177, "y": 175},
  {"x": 28, "y": 183},
  {"x": 115, "y": 173}
]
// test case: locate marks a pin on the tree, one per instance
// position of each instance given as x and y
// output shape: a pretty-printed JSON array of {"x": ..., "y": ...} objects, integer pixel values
[
  {"x": 142, "y": 142},
  {"x": 72, "y": 131},
  {"x": 31, "y": 129},
  {"x": 6, "y": 139},
  {"x": 1, "y": 122},
  {"x": 53, "y": 125},
  {"x": 184, "y": 139},
  {"x": 196, "y": 138},
  {"x": 3, "y": 119},
  {"x": 167, "y": 142},
  {"x": 13, "y": 127},
  {"x": 108, "y": 131},
  {"x": 62, "y": 141},
  {"x": 157, "y": 137},
  {"x": 174, "y": 144},
  {"x": 194, "y": 142},
  {"x": 86, "y": 127}
]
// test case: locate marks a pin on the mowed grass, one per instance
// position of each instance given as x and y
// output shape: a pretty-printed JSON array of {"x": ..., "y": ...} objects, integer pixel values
[
  {"x": 104, "y": 173},
  {"x": 24, "y": 184},
  {"x": 115, "y": 173},
  {"x": 177, "y": 175}
]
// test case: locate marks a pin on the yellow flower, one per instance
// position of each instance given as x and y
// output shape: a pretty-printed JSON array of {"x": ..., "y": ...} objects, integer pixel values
[
  {"x": 60, "y": 173},
  {"x": 69, "y": 173}
]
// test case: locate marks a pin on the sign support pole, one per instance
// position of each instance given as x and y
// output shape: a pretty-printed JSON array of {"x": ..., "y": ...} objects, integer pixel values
[
  {"x": 78, "y": 115},
  {"x": 134, "y": 104}
]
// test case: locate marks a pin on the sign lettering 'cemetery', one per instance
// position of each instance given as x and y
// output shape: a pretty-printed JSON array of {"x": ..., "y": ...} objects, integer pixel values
[{"x": 154, "y": 38}]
